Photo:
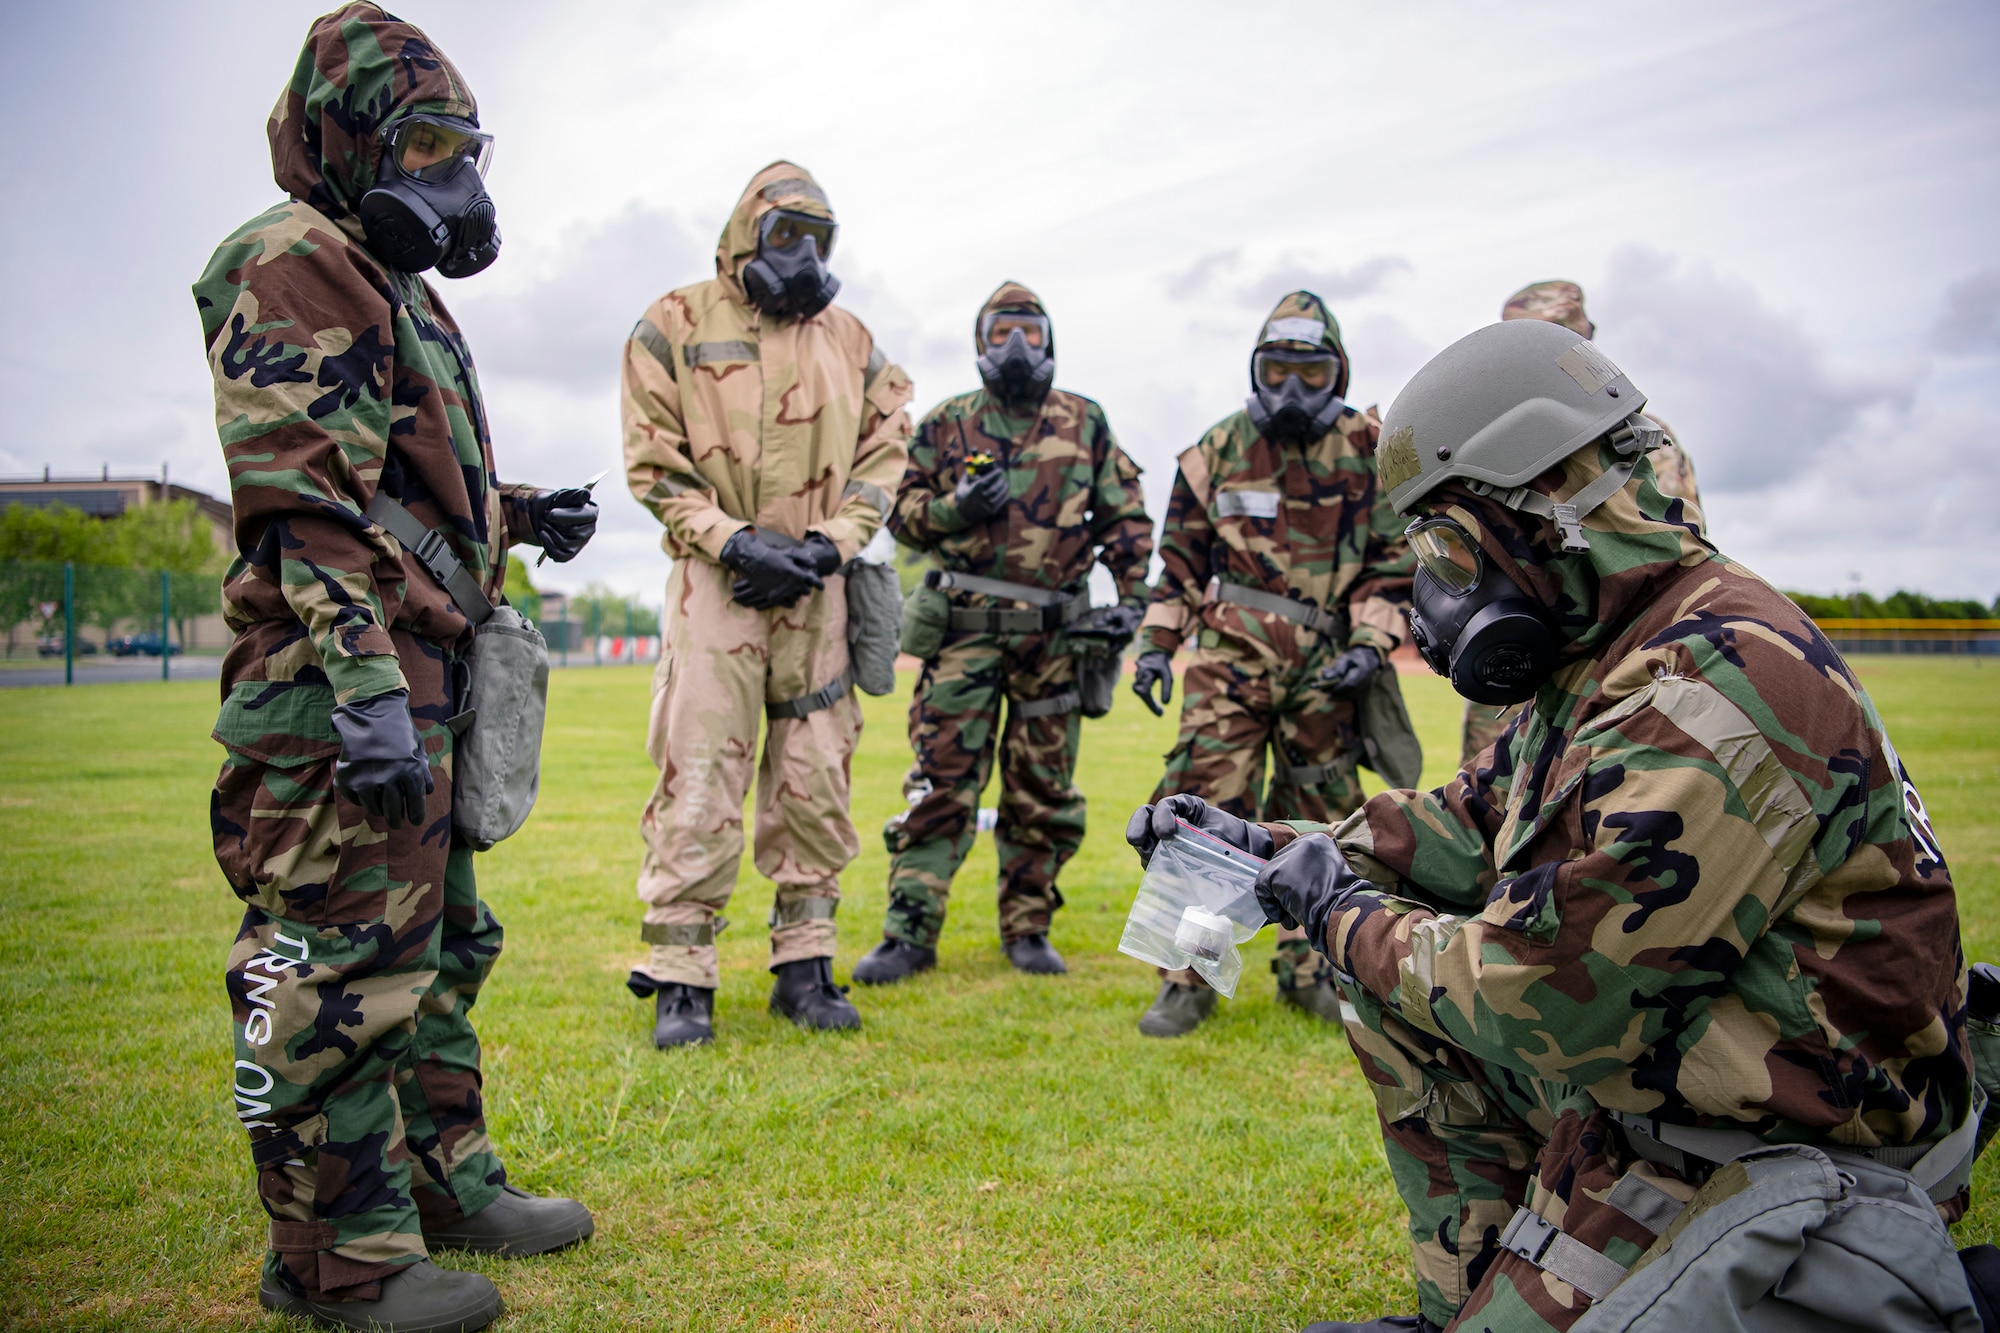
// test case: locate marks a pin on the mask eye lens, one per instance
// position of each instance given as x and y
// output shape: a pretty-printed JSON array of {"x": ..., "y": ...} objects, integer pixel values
[
  {"x": 1446, "y": 554},
  {"x": 1315, "y": 372},
  {"x": 784, "y": 230},
  {"x": 431, "y": 150},
  {"x": 1004, "y": 326}
]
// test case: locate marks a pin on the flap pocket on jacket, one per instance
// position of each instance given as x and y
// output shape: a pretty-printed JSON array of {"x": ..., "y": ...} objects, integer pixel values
[{"x": 282, "y": 722}]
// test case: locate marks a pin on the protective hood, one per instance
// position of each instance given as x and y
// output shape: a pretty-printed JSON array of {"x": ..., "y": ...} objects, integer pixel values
[
  {"x": 780, "y": 185},
  {"x": 1557, "y": 301},
  {"x": 1636, "y": 549},
  {"x": 1306, "y": 306},
  {"x": 1014, "y": 297},
  {"x": 360, "y": 69}
]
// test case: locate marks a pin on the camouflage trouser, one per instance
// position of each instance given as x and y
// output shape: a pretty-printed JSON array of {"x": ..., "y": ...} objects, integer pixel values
[
  {"x": 1468, "y": 1143},
  {"x": 721, "y": 664},
  {"x": 354, "y": 972},
  {"x": 953, "y": 717},
  {"x": 1232, "y": 709},
  {"x": 1484, "y": 724}
]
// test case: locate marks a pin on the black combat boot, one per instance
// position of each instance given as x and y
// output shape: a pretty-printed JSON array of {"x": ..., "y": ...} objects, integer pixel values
[
  {"x": 419, "y": 1298},
  {"x": 1177, "y": 1010},
  {"x": 683, "y": 1016},
  {"x": 805, "y": 993},
  {"x": 515, "y": 1225},
  {"x": 1034, "y": 954},
  {"x": 892, "y": 961},
  {"x": 1388, "y": 1323}
]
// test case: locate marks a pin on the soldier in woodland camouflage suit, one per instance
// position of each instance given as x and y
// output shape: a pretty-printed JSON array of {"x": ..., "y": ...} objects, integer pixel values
[
  {"x": 364, "y": 942},
  {"x": 1695, "y": 887},
  {"x": 764, "y": 442},
  {"x": 1561, "y": 302},
  {"x": 1262, "y": 534},
  {"x": 1062, "y": 492}
]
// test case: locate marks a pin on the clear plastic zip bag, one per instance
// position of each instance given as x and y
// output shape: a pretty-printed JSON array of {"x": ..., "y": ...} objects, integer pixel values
[{"x": 1195, "y": 906}]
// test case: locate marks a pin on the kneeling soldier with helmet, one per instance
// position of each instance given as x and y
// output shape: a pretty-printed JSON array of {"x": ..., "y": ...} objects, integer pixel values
[
  {"x": 1688, "y": 937},
  {"x": 1015, "y": 488}
]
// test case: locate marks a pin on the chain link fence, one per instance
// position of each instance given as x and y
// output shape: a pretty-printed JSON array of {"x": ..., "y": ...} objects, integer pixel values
[{"x": 70, "y": 610}]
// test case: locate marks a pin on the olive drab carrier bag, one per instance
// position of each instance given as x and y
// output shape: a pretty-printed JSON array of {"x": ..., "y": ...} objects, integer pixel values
[
  {"x": 497, "y": 735},
  {"x": 874, "y": 623}
]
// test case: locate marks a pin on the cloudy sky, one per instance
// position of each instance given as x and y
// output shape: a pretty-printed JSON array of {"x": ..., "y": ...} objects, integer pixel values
[{"x": 1783, "y": 214}]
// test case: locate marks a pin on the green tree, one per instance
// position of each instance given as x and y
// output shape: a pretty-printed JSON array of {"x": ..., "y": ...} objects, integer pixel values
[
  {"x": 520, "y": 589},
  {"x": 602, "y": 611}
]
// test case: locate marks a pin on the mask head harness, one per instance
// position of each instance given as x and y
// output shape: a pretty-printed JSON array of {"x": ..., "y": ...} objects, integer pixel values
[
  {"x": 1017, "y": 362},
  {"x": 1474, "y": 624},
  {"x": 788, "y": 278},
  {"x": 429, "y": 207},
  {"x": 1294, "y": 376}
]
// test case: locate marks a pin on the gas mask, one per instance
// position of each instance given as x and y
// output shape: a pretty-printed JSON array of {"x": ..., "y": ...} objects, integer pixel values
[
  {"x": 1294, "y": 402},
  {"x": 1019, "y": 360},
  {"x": 1472, "y": 623},
  {"x": 429, "y": 206},
  {"x": 788, "y": 278}
]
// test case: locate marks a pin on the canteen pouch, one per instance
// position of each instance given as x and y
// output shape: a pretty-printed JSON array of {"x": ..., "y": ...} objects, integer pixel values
[
  {"x": 1098, "y": 664},
  {"x": 1389, "y": 744},
  {"x": 1196, "y": 903},
  {"x": 926, "y": 618},
  {"x": 497, "y": 756},
  {"x": 874, "y": 610}
]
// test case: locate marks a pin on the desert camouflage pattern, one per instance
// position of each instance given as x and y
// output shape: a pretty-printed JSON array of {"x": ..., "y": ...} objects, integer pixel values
[
  {"x": 1074, "y": 498},
  {"x": 361, "y": 951},
  {"x": 335, "y": 376},
  {"x": 361, "y": 948},
  {"x": 1696, "y": 882},
  {"x": 731, "y": 419},
  {"x": 955, "y": 729},
  {"x": 1075, "y": 494}
]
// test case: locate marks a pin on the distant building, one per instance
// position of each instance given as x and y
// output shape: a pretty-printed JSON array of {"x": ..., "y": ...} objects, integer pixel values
[{"x": 108, "y": 496}]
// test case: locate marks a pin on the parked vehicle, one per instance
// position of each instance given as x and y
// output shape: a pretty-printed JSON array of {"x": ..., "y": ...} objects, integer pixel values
[
  {"x": 52, "y": 646},
  {"x": 148, "y": 645}
]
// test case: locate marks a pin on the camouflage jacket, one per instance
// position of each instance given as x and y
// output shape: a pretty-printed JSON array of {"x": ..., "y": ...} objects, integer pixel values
[
  {"x": 1072, "y": 488},
  {"x": 1696, "y": 879},
  {"x": 335, "y": 375},
  {"x": 733, "y": 418},
  {"x": 1306, "y": 524}
]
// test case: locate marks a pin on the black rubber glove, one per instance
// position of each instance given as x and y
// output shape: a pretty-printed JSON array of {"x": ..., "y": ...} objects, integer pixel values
[
  {"x": 1116, "y": 623},
  {"x": 769, "y": 577},
  {"x": 1153, "y": 666},
  {"x": 565, "y": 521},
  {"x": 821, "y": 553},
  {"x": 1152, "y": 823},
  {"x": 382, "y": 767},
  {"x": 1306, "y": 884},
  {"x": 1348, "y": 674},
  {"x": 980, "y": 498}
]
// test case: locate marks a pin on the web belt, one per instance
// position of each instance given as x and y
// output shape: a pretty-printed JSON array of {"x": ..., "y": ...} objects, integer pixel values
[
  {"x": 824, "y": 697},
  {"x": 1303, "y": 775},
  {"x": 434, "y": 553},
  {"x": 1066, "y": 702},
  {"x": 1270, "y": 603},
  {"x": 1940, "y": 1169},
  {"x": 1054, "y": 608}
]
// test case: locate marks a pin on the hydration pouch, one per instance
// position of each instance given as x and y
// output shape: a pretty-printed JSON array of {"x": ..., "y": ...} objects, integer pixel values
[
  {"x": 497, "y": 758},
  {"x": 1194, "y": 906},
  {"x": 1389, "y": 744},
  {"x": 874, "y": 608},
  {"x": 926, "y": 618}
]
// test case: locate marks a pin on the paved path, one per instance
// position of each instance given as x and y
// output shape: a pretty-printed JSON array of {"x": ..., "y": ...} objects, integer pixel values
[{"x": 98, "y": 671}]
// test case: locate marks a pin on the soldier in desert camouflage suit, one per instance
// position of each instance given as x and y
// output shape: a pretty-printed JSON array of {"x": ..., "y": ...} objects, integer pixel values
[
  {"x": 741, "y": 424},
  {"x": 1306, "y": 523},
  {"x": 1561, "y": 302},
  {"x": 1070, "y": 495},
  {"x": 1695, "y": 884},
  {"x": 364, "y": 942}
]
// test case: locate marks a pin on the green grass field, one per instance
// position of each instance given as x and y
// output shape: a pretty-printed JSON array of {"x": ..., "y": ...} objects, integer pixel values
[{"x": 990, "y": 1150}]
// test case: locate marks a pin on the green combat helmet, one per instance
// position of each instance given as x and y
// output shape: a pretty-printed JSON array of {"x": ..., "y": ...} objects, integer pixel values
[{"x": 1501, "y": 406}]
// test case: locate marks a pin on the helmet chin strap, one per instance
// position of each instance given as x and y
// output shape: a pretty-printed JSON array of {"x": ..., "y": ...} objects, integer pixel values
[{"x": 1633, "y": 439}]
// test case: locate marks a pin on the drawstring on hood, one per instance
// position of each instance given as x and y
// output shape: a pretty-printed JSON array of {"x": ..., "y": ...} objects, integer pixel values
[{"x": 360, "y": 69}]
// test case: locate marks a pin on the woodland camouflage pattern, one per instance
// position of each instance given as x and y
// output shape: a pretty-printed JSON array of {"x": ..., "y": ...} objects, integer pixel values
[
  {"x": 1331, "y": 540},
  {"x": 733, "y": 418},
  {"x": 1074, "y": 497},
  {"x": 362, "y": 948},
  {"x": 1695, "y": 883}
]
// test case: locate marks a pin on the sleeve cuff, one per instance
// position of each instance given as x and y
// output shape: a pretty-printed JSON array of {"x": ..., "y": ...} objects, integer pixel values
[
  {"x": 944, "y": 516},
  {"x": 355, "y": 678}
]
